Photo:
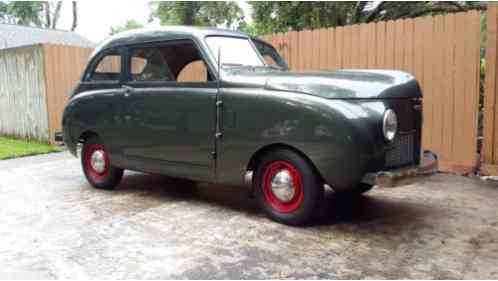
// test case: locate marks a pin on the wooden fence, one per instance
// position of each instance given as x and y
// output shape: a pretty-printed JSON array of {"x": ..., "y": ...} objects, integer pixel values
[
  {"x": 35, "y": 85},
  {"x": 490, "y": 132},
  {"x": 63, "y": 67},
  {"x": 442, "y": 52}
]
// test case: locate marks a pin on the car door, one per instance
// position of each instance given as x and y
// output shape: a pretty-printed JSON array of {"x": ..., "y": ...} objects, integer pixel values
[
  {"x": 102, "y": 80},
  {"x": 170, "y": 101}
]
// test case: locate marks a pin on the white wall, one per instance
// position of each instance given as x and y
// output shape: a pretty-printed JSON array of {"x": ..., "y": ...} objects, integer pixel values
[{"x": 23, "y": 108}]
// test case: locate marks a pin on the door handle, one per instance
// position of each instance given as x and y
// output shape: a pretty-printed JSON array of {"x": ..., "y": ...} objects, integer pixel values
[{"x": 127, "y": 90}]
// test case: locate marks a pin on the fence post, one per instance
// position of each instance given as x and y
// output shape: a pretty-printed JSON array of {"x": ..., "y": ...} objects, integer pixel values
[{"x": 489, "y": 154}]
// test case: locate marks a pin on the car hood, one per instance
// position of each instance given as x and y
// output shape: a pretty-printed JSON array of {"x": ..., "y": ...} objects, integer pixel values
[{"x": 340, "y": 84}]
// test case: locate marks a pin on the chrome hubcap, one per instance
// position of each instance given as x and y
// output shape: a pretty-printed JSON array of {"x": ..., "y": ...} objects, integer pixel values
[
  {"x": 97, "y": 161},
  {"x": 282, "y": 186}
]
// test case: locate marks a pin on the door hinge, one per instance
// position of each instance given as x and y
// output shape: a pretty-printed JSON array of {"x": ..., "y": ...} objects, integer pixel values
[
  {"x": 218, "y": 135},
  {"x": 213, "y": 154}
]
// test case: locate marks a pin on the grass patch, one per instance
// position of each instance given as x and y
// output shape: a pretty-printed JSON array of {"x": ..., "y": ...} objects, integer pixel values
[{"x": 13, "y": 148}]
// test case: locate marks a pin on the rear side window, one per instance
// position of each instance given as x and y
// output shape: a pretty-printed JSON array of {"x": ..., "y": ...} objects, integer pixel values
[
  {"x": 149, "y": 64},
  {"x": 107, "y": 69},
  {"x": 178, "y": 61}
]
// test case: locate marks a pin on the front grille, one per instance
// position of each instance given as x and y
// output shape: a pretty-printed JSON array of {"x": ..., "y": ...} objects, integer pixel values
[{"x": 401, "y": 151}]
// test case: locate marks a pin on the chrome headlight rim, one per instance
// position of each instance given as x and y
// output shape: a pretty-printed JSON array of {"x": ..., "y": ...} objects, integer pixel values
[{"x": 389, "y": 125}]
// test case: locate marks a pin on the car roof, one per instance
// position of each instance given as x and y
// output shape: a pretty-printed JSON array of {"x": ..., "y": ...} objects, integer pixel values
[{"x": 144, "y": 35}]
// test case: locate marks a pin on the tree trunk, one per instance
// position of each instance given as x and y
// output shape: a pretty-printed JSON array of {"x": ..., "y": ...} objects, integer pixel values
[
  {"x": 75, "y": 16},
  {"x": 56, "y": 14},
  {"x": 191, "y": 9},
  {"x": 48, "y": 20}
]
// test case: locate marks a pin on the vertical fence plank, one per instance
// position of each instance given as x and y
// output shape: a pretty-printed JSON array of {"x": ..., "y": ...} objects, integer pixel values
[
  {"x": 418, "y": 52},
  {"x": 437, "y": 89},
  {"x": 363, "y": 46},
  {"x": 408, "y": 64},
  {"x": 380, "y": 46},
  {"x": 339, "y": 45},
  {"x": 471, "y": 96},
  {"x": 448, "y": 86},
  {"x": 346, "y": 47},
  {"x": 389, "y": 44},
  {"x": 371, "y": 43},
  {"x": 331, "y": 64},
  {"x": 459, "y": 84},
  {"x": 355, "y": 47},
  {"x": 399, "y": 44},
  {"x": 428, "y": 81},
  {"x": 294, "y": 51}
]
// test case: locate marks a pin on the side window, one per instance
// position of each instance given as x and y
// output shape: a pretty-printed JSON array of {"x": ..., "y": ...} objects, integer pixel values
[
  {"x": 193, "y": 72},
  {"x": 149, "y": 64},
  {"x": 107, "y": 69},
  {"x": 178, "y": 61}
]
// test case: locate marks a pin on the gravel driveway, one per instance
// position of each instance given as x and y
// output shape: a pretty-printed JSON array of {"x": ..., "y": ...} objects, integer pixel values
[{"x": 54, "y": 225}]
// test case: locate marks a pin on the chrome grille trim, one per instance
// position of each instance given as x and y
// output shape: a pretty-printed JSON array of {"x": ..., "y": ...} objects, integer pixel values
[{"x": 401, "y": 151}]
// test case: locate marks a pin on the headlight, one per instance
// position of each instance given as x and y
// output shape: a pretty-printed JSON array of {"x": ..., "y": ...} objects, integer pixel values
[{"x": 389, "y": 125}]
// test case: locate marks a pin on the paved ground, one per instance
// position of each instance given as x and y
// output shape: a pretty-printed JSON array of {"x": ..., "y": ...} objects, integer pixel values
[{"x": 53, "y": 225}]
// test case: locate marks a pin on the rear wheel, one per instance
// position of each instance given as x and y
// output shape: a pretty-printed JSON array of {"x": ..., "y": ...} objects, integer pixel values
[
  {"x": 97, "y": 167},
  {"x": 287, "y": 187}
]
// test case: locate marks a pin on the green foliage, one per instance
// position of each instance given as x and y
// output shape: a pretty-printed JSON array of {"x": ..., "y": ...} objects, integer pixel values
[
  {"x": 484, "y": 17},
  {"x": 12, "y": 148},
  {"x": 129, "y": 25},
  {"x": 26, "y": 13},
  {"x": 214, "y": 13},
  {"x": 3, "y": 7},
  {"x": 271, "y": 17}
]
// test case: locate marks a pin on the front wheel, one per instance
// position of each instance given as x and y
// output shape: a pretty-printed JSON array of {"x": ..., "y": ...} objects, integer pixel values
[
  {"x": 287, "y": 187},
  {"x": 97, "y": 167}
]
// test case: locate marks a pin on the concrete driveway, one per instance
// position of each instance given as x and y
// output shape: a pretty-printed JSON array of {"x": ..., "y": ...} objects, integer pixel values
[{"x": 54, "y": 225}]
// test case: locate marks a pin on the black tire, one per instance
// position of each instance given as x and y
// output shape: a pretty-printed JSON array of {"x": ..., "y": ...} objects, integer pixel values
[
  {"x": 357, "y": 190},
  {"x": 110, "y": 177},
  {"x": 308, "y": 191}
]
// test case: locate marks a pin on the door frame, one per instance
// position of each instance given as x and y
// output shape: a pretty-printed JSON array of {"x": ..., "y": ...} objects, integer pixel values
[{"x": 127, "y": 84}]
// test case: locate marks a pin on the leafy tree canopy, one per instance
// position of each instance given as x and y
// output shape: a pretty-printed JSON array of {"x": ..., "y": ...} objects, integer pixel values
[
  {"x": 216, "y": 13},
  {"x": 129, "y": 25},
  {"x": 270, "y": 17},
  {"x": 25, "y": 13},
  {"x": 34, "y": 13}
]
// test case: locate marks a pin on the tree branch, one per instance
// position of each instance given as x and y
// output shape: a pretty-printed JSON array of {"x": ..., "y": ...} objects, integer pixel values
[
  {"x": 56, "y": 14},
  {"x": 47, "y": 15},
  {"x": 75, "y": 16}
]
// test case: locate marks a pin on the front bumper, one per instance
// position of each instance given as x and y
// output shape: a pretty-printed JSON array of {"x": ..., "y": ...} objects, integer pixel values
[{"x": 405, "y": 175}]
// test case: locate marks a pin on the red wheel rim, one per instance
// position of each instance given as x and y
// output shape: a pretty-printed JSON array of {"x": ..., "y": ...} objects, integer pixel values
[
  {"x": 90, "y": 169},
  {"x": 295, "y": 202}
]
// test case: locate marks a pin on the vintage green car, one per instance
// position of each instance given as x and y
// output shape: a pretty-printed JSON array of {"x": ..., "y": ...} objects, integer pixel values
[{"x": 214, "y": 105}]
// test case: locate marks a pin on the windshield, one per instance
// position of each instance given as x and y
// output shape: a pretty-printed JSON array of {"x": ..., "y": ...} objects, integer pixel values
[{"x": 234, "y": 51}]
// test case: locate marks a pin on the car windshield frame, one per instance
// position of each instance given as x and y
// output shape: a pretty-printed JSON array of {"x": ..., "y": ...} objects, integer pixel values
[{"x": 230, "y": 64}]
